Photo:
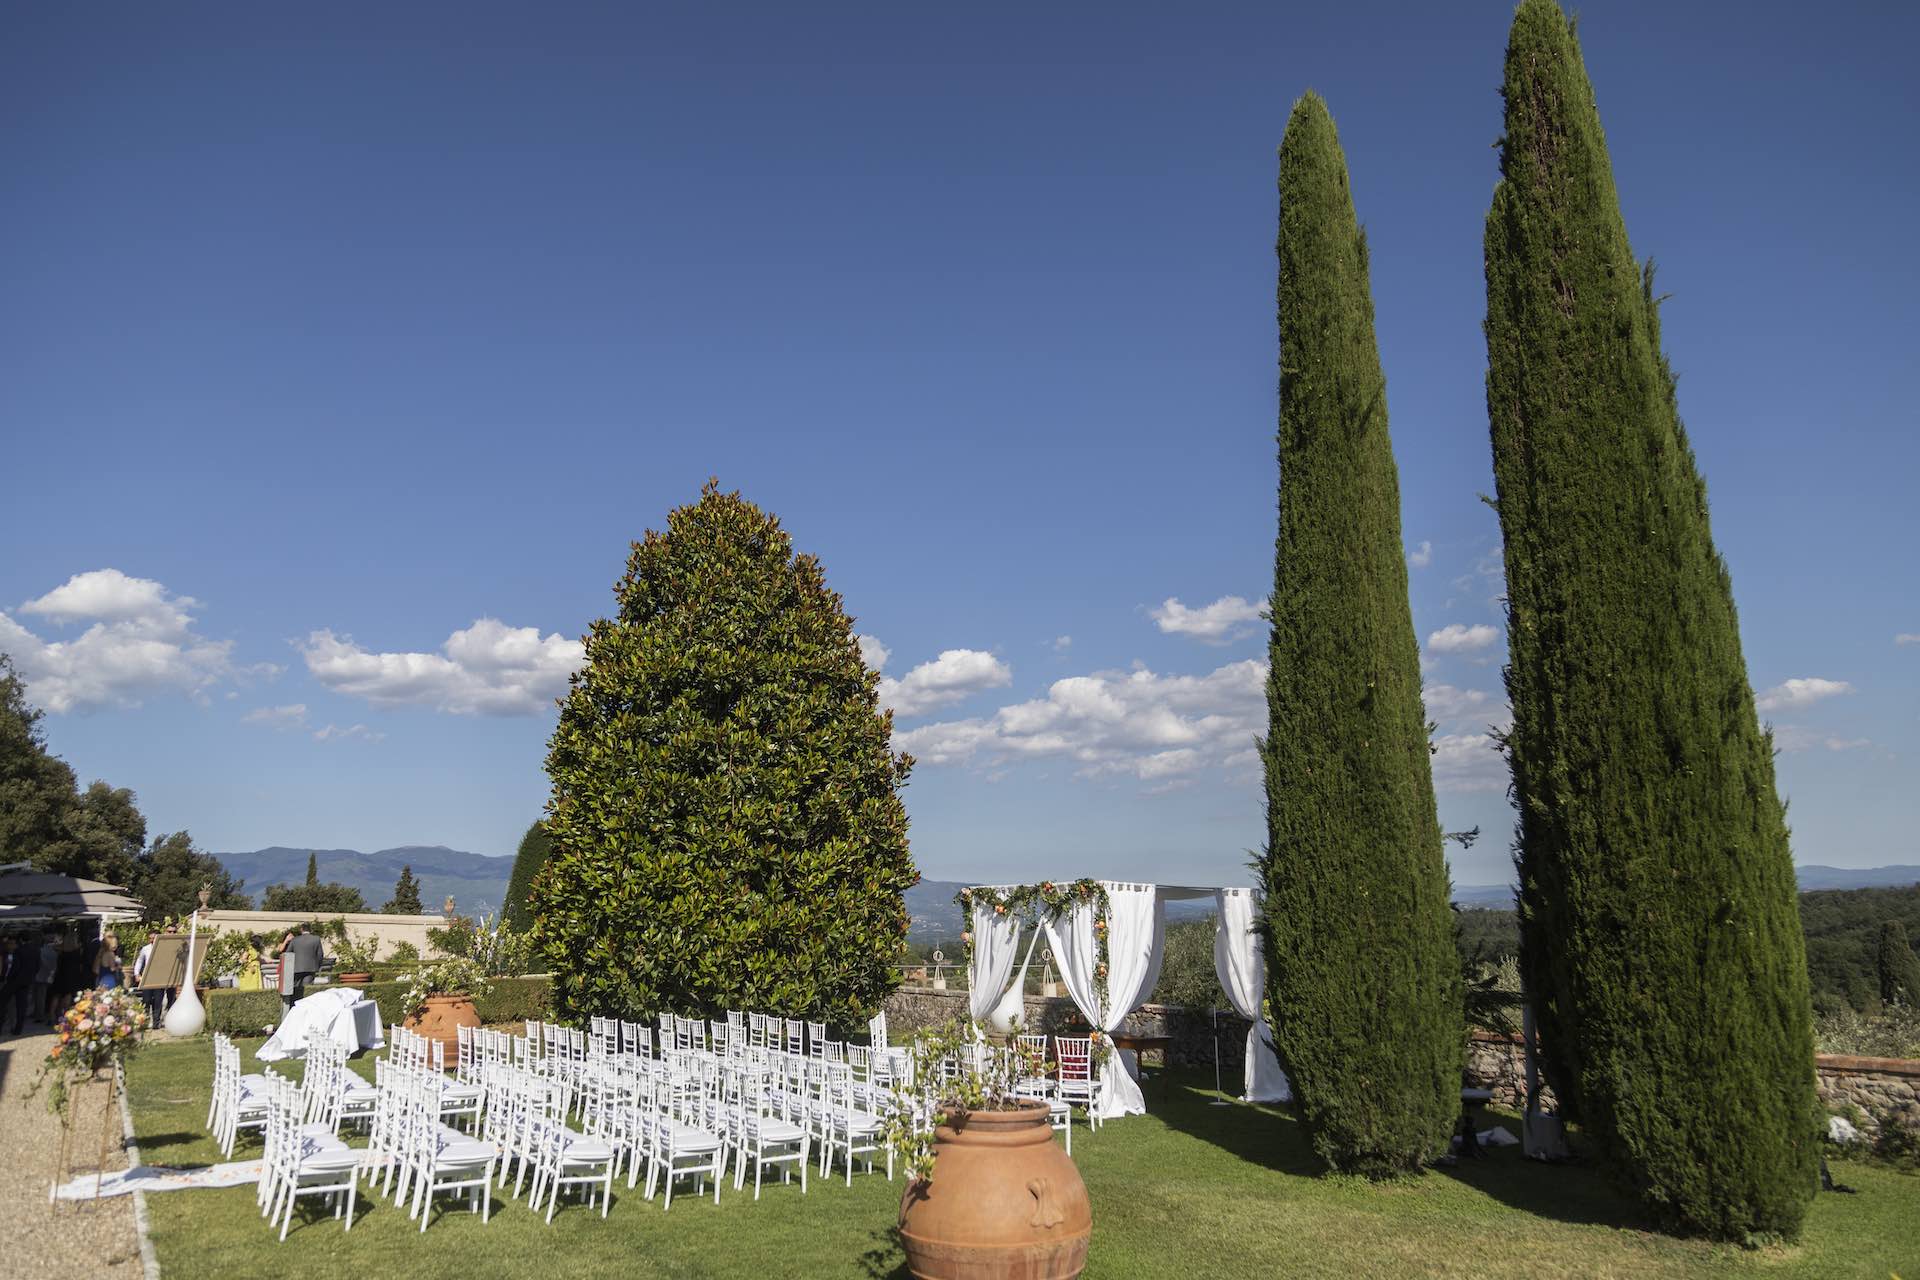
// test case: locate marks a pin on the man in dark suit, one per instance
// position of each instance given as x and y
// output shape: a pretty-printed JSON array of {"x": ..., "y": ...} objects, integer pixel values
[{"x": 304, "y": 953}]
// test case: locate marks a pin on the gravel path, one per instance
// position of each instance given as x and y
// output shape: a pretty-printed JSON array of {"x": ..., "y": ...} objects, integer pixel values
[{"x": 95, "y": 1238}]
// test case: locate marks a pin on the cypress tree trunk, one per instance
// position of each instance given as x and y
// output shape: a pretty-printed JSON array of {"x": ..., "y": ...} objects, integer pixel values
[
  {"x": 1362, "y": 972},
  {"x": 1660, "y": 932}
]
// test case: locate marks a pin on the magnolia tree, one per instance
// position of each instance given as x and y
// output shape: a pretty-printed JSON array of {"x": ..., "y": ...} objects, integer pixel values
[{"x": 726, "y": 824}]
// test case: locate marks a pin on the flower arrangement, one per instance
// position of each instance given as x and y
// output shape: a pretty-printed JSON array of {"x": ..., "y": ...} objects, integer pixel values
[
  {"x": 456, "y": 975},
  {"x": 1049, "y": 900},
  {"x": 101, "y": 1030}
]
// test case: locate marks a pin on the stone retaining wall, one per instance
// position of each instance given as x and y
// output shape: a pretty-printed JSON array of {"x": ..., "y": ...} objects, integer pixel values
[
  {"x": 1191, "y": 1031},
  {"x": 1881, "y": 1089}
]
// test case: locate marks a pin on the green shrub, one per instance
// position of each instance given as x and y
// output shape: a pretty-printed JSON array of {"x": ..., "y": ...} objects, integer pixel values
[
  {"x": 245, "y": 1013},
  {"x": 1892, "y": 1032},
  {"x": 726, "y": 819},
  {"x": 1660, "y": 934}
]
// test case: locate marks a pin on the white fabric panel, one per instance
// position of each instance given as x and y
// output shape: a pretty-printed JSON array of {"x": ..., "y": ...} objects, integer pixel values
[
  {"x": 1136, "y": 943},
  {"x": 996, "y": 938},
  {"x": 1013, "y": 1004},
  {"x": 341, "y": 1013},
  {"x": 1243, "y": 973}
]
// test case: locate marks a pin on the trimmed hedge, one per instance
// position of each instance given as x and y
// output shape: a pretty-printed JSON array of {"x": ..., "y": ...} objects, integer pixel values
[{"x": 245, "y": 1013}]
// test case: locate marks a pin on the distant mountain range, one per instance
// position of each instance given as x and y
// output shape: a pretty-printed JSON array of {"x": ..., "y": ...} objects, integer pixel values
[
  {"x": 1811, "y": 877},
  {"x": 478, "y": 883}
]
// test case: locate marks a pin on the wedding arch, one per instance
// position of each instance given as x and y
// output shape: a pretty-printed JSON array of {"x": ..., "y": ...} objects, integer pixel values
[{"x": 1109, "y": 938}]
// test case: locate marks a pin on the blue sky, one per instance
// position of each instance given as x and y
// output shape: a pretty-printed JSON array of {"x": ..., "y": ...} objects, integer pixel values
[{"x": 348, "y": 348}]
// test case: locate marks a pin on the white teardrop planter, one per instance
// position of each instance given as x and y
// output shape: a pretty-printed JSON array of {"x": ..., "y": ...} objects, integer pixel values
[{"x": 186, "y": 1016}]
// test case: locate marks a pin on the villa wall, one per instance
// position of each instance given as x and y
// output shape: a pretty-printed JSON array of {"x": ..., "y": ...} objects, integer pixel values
[
  {"x": 391, "y": 930},
  {"x": 1885, "y": 1090}
]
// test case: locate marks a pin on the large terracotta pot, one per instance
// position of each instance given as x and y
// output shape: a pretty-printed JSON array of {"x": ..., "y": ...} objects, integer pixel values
[
  {"x": 354, "y": 979},
  {"x": 441, "y": 1017},
  {"x": 1005, "y": 1203}
]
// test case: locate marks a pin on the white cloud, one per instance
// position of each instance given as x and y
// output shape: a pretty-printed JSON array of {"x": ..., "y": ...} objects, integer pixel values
[
  {"x": 1223, "y": 620},
  {"x": 1802, "y": 691},
  {"x": 1455, "y": 638},
  {"x": 1137, "y": 723},
  {"x": 955, "y": 674},
  {"x": 1421, "y": 557},
  {"x": 139, "y": 641},
  {"x": 1062, "y": 643},
  {"x": 1445, "y": 702},
  {"x": 1468, "y": 762},
  {"x": 334, "y": 733},
  {"x": 1789, "y": 737},
  {"x": 873, "y": 653},
  {"x": 487, "y": 669},
  {"x": 1907, "y": 637},
  {"x": 291, "y": 716}
]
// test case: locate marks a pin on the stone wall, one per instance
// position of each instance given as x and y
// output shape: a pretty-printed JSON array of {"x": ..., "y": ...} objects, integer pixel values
[
  {"x": 1191, "y": 1031},
  {"x": 1882, "y": 1089}
]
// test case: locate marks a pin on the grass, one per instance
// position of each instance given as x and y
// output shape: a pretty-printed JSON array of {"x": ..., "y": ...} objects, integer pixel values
[{"x": 1187, "y": 1191}]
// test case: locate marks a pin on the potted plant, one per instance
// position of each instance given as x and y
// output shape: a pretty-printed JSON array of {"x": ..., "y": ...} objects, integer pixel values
[
  {"x": 438, "y": 999},
  {"x": 353, "y": 961},
  {"x": 989, "y": 1194}
]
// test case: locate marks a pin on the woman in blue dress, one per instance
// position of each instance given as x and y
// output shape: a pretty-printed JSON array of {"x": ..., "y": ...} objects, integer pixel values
[{"x": 106, "y": 963}]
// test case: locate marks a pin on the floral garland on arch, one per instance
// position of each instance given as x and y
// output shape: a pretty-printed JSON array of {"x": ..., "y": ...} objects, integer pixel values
[{"x": 1048, "y": 900}]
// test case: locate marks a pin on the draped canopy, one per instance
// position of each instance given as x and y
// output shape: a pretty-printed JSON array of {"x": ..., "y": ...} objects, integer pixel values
[{"x": 1136, "y": 931}]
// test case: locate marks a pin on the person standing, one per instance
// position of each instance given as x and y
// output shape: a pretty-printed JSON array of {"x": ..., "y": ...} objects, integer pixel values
[
  {"x": 107, "y": 963},
  {"x": 141, "y": 959},
  {"x": 303, "y": 952},
  {"x": 16, "y": 980},
  {"x": 42, "y": 999}
]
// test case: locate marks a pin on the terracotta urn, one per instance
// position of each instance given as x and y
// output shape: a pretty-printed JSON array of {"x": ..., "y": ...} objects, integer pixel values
[
  {"x": 439, "y": 1018},
  {"x": 1005, "y": 1203},
  {"x": 354, "y": 979}
]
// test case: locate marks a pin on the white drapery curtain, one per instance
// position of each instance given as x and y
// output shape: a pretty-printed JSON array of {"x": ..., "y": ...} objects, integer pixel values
[
  {"x": 1136, "y": 941},
  {"x": 1243, "y": 973},
  {"x": 996, "y": 938}
]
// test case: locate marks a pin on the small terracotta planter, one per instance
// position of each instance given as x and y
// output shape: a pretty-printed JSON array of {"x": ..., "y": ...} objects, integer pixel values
[
  {"x": 440, "y": 1018},
  {"x": 354, "y": 979},
  {"x": 1005, "y": 1203}
]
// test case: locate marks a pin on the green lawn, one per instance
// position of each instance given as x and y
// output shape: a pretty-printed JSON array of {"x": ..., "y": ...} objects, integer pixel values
[{"x": 1188, "y": 1190}]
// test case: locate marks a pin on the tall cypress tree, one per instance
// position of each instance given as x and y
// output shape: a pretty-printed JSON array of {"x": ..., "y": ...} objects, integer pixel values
[
  {"x": 1362, "y": 973},
  {"x": 535, "y": 847},
  {"x": 1899, "y": 968},
  {"x": 1660, "y": 934}
]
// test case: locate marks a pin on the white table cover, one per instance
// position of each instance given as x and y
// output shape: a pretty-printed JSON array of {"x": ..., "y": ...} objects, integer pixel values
[{"x": 341, "y": 1013}]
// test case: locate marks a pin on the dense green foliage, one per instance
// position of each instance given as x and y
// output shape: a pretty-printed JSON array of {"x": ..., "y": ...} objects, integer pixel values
[
  {"x": 1189, "y": 978},
  {"x": 168, "y": 878},
  {"x": 1897, "y": 967},
  {"x": 1659, "y": 932},
  {"x": 1843, "y": 940},
  {"x": 726, "y": 818},
  {"x": 1361, "y": 972},
  {"x": 323, "y": 898},
  {"x": 406, "y": 895},
  {"x": 535, "y": 847}
]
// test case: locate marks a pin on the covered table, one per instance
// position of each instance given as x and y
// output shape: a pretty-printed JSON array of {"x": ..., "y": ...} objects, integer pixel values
[{"x": 341, "y": 1013}]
